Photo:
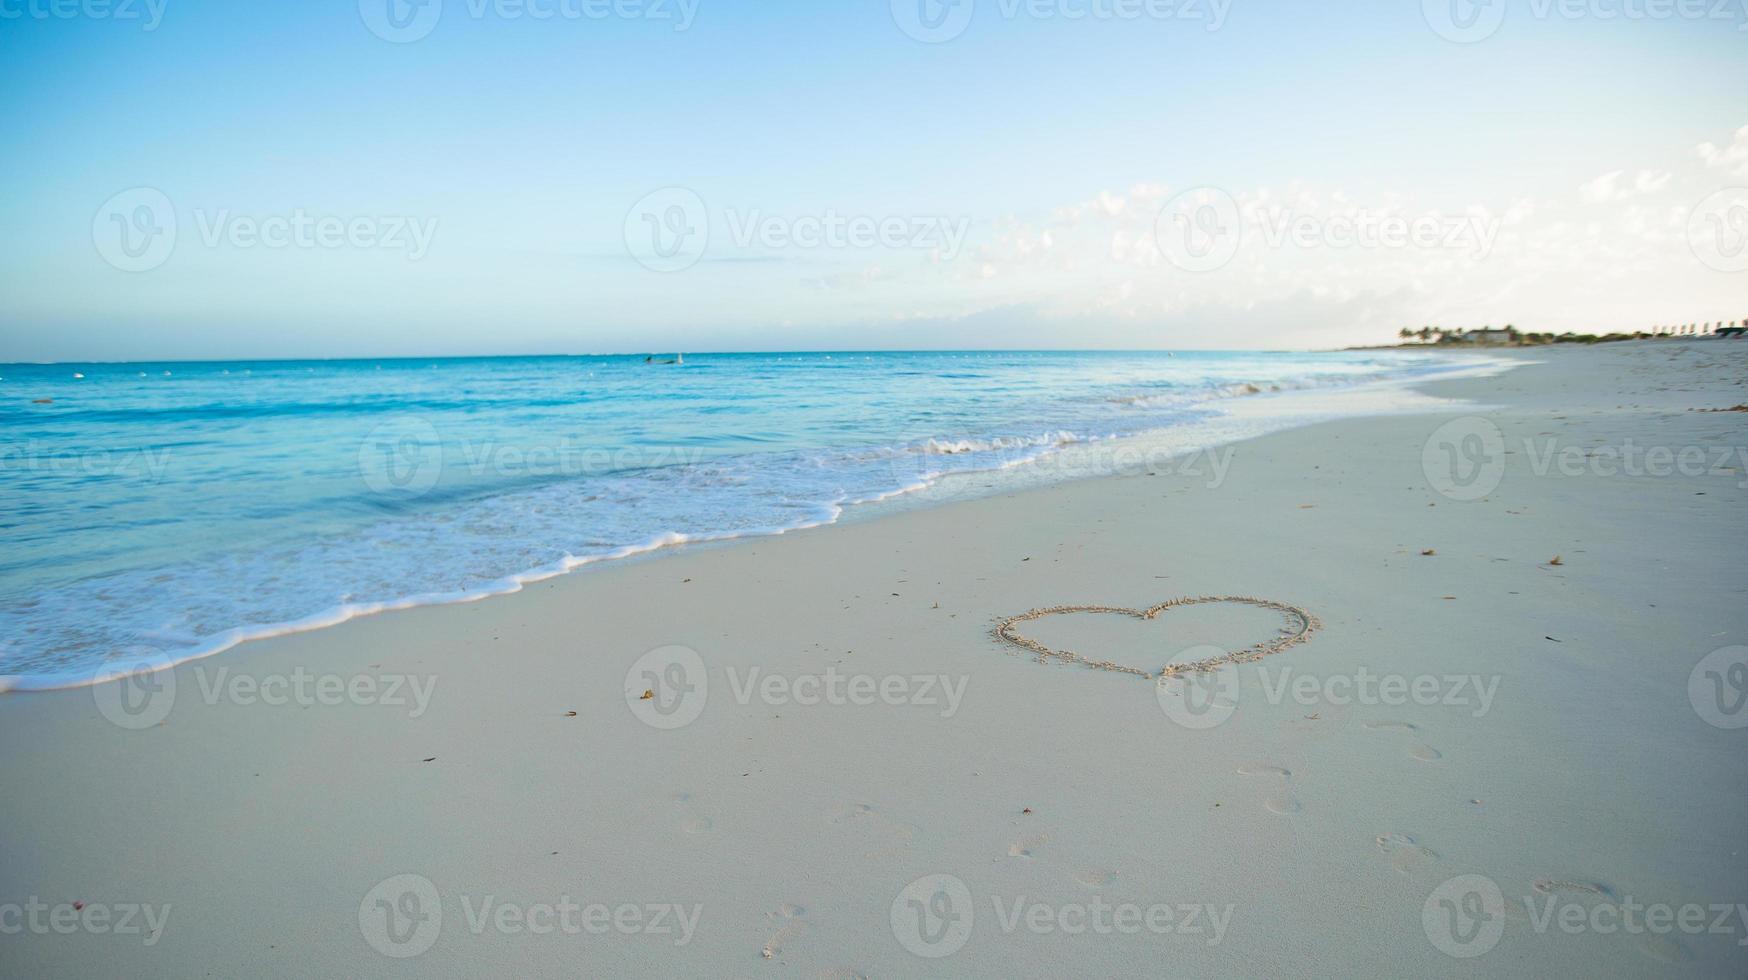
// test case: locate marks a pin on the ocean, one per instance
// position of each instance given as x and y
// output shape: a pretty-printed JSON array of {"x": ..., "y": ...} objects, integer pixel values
[{"x": 175, "y": 509}]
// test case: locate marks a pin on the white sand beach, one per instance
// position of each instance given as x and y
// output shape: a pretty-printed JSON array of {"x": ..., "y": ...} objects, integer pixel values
[{"x": 1508, "y": 688}]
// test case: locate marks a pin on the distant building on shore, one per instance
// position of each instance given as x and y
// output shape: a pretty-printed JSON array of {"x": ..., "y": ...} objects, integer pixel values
[{"x": 1490, "y": 336}]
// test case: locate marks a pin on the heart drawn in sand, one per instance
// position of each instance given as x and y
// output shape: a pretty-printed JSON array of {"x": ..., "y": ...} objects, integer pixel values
[{"x": 1297, "y": 627}]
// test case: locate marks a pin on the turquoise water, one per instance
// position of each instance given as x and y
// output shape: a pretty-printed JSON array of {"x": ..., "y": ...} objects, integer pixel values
[{"x": 183, "y": 507}]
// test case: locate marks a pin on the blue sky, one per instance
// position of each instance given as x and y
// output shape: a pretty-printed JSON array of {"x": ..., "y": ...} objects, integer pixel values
[{"x": 522, "y": 149}]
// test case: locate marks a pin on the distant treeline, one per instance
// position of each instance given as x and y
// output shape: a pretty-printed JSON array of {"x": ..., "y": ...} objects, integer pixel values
[{"x": 1510, "y": 336}]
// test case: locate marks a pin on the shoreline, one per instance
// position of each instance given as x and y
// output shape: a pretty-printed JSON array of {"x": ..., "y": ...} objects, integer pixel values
[
  {"x": 919, "y": 493},
  {"x": 532, "y": 771}
]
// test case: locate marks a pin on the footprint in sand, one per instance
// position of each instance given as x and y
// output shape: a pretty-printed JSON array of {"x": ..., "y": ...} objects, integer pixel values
[
  {"x": 1285, "y": 804},
  {"x": 787, "y": 925},
  {"x": 1574, "y": 886},
  {"x": 882, "y": 836},
  {"x": 691, "y": 820},
  {"x": 1424, "y": 752},
  {"x": 1406, "y": 856},
  {"x": 1095, "y": 878},
  {"x": 1027, "y": 847},
  {"x": 1419, "y": 750},
  {"x": 1592, "y": 893},
  {"x": 1664, "y": 949},
  {"x": 1282, "y": 801}
]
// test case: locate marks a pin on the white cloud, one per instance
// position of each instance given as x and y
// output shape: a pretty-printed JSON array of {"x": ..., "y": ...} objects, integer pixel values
[
  {"x": 1578, "y": 260},
  {"x": 1610, "y": 187},
  {"x": 1732, "y": 159}
]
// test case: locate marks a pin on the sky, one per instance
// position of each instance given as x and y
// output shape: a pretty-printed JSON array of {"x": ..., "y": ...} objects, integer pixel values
[{"x": 373, "y": 178}]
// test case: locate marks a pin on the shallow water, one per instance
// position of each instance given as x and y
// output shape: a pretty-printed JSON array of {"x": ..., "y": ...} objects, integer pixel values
[{"x": 182, "y": 507}]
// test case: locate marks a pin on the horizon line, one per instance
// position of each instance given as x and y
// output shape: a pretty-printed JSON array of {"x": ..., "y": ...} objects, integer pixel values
[{"x": 726, "y": 353}]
